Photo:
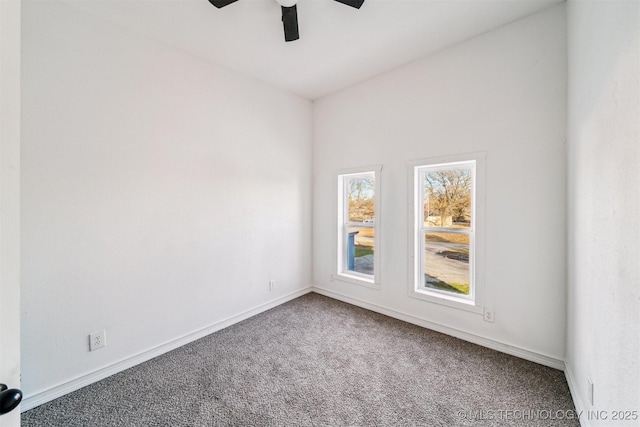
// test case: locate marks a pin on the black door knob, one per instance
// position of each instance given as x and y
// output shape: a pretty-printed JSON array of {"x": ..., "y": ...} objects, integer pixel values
[{"x": 9, "y": 399}]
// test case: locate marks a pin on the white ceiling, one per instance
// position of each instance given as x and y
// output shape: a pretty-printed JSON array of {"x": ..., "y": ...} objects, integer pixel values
[{"x": 338, "y": 47}]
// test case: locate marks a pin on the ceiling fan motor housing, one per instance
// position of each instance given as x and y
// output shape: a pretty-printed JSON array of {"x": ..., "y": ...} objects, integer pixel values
[{"x": 289, "y": 14}]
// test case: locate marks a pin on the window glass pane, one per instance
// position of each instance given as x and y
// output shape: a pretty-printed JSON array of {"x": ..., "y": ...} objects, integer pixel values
[
  {"x": 360, "y": 192},
  {"x": 446, "y": 262},
  {"x": 360, "y": 249},
  {"x": 447, "y": 197}
]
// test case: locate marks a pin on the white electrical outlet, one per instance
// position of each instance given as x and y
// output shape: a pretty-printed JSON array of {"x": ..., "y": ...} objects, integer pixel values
[
  {"x": 97, "y": 340},
  {"x": 272, "y": 284},
  {"x": 489, "y": 315}
]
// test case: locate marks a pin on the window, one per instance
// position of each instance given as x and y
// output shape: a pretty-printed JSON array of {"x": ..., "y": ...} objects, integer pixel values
[
  {"x": 445, "y": 222},
  {"x": 358, "y": 254}
]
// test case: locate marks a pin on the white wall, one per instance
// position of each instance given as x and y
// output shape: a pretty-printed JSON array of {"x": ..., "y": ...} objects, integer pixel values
[
  {"x": 603, "y": 339},
  {"x": 10, "y": 201},
  {"x": 504, "y": 93},
  {"x": 160, "y": 193}
]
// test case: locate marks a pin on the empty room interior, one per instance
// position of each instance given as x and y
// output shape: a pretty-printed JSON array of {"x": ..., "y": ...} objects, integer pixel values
[{"x": 398, "y": 212}]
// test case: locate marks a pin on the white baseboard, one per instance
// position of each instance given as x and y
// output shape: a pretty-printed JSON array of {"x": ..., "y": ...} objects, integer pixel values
[
  {"x": 44, "y": 396},
  {"x": 581, "y": 408},
  {"x": 51, "y": 393},
  {"x": 466, "y": 336}
]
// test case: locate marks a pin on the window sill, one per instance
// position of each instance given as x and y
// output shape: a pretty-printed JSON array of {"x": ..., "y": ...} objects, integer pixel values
[
  {"x": 449, "y": 301},
  {"x": 356, "y": 280}
]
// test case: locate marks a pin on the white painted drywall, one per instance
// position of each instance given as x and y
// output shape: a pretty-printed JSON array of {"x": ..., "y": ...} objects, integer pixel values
[
  {"x": 10, "y": 201},
  {"x": 603, "y": 338},
  {"x": 504, "y": 93},
  {"x": 160, "y": 193}
]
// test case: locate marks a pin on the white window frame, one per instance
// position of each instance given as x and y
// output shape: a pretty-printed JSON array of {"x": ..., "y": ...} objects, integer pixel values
[
  {"x": 341, "y": 272},
  {"x": 474, "y": 301}
]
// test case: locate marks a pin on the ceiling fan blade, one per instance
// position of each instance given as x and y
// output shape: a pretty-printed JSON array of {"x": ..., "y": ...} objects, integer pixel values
[
  {"x": 290, "y": 23},
  {"x": 221, "y": 3},
  {"x": 352, "y": 3}
]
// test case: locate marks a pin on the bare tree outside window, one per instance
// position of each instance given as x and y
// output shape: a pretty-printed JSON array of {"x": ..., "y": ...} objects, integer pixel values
[
  {"x": 361, "y": 199},
  {"x": 447, "y": 197}
]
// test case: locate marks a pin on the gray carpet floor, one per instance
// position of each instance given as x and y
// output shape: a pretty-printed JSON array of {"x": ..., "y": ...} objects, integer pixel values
[{"x": 315, "y": 361}]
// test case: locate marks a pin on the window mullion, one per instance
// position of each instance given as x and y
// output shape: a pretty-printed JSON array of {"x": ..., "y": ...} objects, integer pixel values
[{"x": 448, "y": 230}]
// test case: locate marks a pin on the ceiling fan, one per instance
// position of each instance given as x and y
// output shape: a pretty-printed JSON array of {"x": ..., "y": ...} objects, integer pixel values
[{"x": 289, "y": 14}]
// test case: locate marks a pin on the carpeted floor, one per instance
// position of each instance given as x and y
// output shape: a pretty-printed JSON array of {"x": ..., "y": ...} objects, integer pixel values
[{"x": 315, "y": 361}]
